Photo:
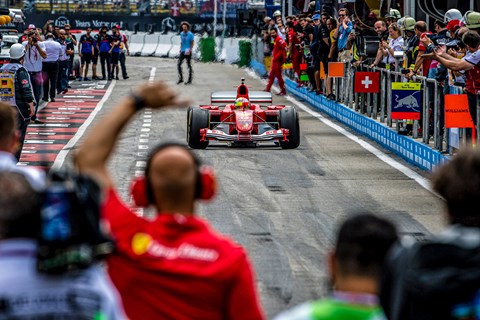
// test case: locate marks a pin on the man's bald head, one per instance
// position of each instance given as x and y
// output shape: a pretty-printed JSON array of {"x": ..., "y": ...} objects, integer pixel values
[{"x": 172, "y": 173}]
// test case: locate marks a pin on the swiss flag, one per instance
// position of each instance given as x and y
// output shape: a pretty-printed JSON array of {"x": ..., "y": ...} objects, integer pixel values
[{"x": 367, "y": 82}]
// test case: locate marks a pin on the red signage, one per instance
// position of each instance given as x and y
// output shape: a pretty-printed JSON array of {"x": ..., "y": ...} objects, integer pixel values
[
  {"x": 367, "y": 82},
  {"x": 457, "y": 114}
]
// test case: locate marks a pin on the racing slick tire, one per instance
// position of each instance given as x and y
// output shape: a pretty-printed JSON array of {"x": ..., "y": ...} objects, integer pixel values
[
  {"x": 197, "y": 119},
  {"x": 288, "y": 119}
]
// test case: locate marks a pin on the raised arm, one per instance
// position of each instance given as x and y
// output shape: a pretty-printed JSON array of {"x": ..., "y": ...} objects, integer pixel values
[{"x": 92, "y": 156}]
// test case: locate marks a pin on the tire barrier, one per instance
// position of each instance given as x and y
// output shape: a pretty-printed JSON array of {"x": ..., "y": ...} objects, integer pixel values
[
  {"x": 245, "y": 48},
  {"x": 207, "y": 49}
]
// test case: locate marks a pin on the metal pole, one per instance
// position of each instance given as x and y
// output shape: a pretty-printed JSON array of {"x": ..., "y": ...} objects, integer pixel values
[
  {"x": 215, "y": 10},
  {"x": 224, "y": 17}
]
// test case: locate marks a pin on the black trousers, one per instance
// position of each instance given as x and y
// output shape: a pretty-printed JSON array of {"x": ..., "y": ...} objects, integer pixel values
[
  {"x": 50, "y": 74},
  {"x": 22, "y": 125},
  {"x": 105, "y": 59},
  {"x": 182, "y": 57},
  {"x": 122, "y": 65},
  {"x": 36, "y": 78}
]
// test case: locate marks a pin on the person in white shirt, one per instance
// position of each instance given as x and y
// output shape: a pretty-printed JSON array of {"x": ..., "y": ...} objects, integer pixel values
[
  {"x": 394, "y": 44},
  {"x": 26, "y": 293},
  {"x": 35, "y": 53},
  {"x": 50, "y": 67}
]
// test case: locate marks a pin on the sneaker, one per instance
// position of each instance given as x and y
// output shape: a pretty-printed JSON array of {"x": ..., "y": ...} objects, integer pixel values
[
  {"x": 188, "y": 82},
  {"x": 299, "y": 85},
  {"x": 281, "y": 94},
  {"x": 87, "y": 79},
  {"x": 126, "y": 77},
  {"x": 318, "y": 92},
  {"x": 52, "y": 100},
  {"x": 36, "y": 121},
  {"x": 64, "y": 91},
  {"x": 109, "y": 79},
  {"x": 45, "y": 99},
  {"x": 265, "y": 90},
  {"x": 95, "y": 78},
  {"x": 116, "y": 78},
  {"x": 179, "y": 81},
  {"x": 80, "y": 79},
  {"x": 331, "y": 96}
]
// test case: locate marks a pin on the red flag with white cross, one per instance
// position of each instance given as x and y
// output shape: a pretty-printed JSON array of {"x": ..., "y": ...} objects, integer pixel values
[{"x": 367, "y": 82}]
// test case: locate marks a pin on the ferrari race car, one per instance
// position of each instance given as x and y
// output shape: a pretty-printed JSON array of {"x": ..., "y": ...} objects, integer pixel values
[{"x": 242, "y": 121}]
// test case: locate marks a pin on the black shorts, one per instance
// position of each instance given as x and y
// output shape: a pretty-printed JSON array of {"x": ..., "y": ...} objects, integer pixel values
[
  {"x": 115, "y": 57},
  {"x": 86, "y": 58},
  {"x": 95, "y": 57}
]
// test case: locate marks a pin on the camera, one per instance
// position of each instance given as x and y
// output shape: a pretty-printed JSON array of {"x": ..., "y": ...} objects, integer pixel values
[
  {"x": 34, "y": 40},
  {"x": 405, "y": 71},
  {"x": 71, "y": 237}
]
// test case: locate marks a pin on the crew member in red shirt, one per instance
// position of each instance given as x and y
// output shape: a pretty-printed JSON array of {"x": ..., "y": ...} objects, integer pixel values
[
  {"x": 174, "y": 266},
  {"x": 278, "y": 58}
]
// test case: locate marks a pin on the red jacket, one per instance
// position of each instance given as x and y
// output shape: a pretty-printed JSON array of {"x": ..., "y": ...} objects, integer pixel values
[
  {"x": 279, "y": 53},
  {"x": 177, "y": 267}
]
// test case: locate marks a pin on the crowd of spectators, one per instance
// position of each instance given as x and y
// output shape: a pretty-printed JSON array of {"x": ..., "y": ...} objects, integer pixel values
[
  {"x": 316, "y": 38},
  {"x": 50, "y": 56}
]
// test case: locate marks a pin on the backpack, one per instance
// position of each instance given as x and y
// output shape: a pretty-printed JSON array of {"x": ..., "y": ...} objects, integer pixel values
[
  {"x": 7, "y": 80},
  {"x": 432, "y": 280}
]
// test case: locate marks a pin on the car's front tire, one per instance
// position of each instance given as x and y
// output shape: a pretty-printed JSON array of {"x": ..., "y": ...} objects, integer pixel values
[
  {"x": 197, "y": 119},
  {"x": 288, "y": 119}
]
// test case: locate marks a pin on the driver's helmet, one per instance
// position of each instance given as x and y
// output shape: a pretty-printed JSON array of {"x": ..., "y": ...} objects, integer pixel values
[{"x": 242, "y": 103}]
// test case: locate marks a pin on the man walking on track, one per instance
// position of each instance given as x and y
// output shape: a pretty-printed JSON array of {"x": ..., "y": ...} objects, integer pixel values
[
  {"x": 278, "y": 58},
  {"x": 186, "y": 46}
]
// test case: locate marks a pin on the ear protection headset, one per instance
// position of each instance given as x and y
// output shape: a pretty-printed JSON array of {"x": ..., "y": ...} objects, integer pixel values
[{"x": 205, "y": 184}]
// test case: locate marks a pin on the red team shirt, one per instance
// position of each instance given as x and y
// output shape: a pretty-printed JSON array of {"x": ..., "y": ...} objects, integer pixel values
[{"x": 177, "y": 267}]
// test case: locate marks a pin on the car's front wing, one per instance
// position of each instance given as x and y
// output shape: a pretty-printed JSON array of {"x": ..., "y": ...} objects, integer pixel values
[{"x": 280, "y": 134}]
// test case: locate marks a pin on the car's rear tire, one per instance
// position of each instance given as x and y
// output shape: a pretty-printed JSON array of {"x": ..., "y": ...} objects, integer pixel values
[
  {"x": 288, "y": 119},
  {"x": 197, "y": 119}
]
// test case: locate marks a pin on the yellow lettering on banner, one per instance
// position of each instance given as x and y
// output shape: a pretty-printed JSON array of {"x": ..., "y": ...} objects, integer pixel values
[{"x": 406, "y": 86}]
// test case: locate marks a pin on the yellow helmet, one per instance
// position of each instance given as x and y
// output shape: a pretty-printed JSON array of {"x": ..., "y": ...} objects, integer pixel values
[{"x": 242, "y": 103}]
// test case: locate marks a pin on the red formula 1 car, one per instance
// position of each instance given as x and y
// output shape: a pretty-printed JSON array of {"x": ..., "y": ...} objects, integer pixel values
[{"x": 242, "y": 124}]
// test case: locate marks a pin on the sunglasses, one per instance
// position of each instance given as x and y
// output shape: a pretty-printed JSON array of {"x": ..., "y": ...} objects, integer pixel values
[{"x": 341, "y": 15}]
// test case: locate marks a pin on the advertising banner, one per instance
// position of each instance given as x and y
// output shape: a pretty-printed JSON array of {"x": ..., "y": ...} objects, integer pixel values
[{"x": 406, "y": 100}]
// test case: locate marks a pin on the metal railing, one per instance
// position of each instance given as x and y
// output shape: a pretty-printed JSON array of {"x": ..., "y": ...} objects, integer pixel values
[{"x": 378, "y": 106}]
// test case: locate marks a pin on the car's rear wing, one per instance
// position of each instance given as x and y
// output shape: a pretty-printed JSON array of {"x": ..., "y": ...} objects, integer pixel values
[{"x": 224, "y": 97}]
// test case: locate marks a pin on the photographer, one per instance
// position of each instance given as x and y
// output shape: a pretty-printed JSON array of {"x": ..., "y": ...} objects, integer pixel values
[
  {"x": 86, "y": 294},
  {"x": 35, "y": 53},
  {"x": 395, "y": 44}
]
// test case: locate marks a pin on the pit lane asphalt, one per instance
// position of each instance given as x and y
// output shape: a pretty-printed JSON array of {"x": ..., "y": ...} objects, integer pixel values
[{"x": 282, "y": 205}]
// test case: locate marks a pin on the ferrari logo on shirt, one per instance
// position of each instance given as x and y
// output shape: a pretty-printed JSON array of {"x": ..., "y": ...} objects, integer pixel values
[{"x": 143, "y": 243}]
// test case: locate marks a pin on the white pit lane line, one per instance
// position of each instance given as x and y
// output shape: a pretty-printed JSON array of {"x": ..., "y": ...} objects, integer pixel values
[{"x": 423, "y": 182}]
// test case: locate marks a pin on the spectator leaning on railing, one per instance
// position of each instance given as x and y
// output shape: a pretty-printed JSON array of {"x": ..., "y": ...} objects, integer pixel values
[{"x": 470, "y": 64}]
